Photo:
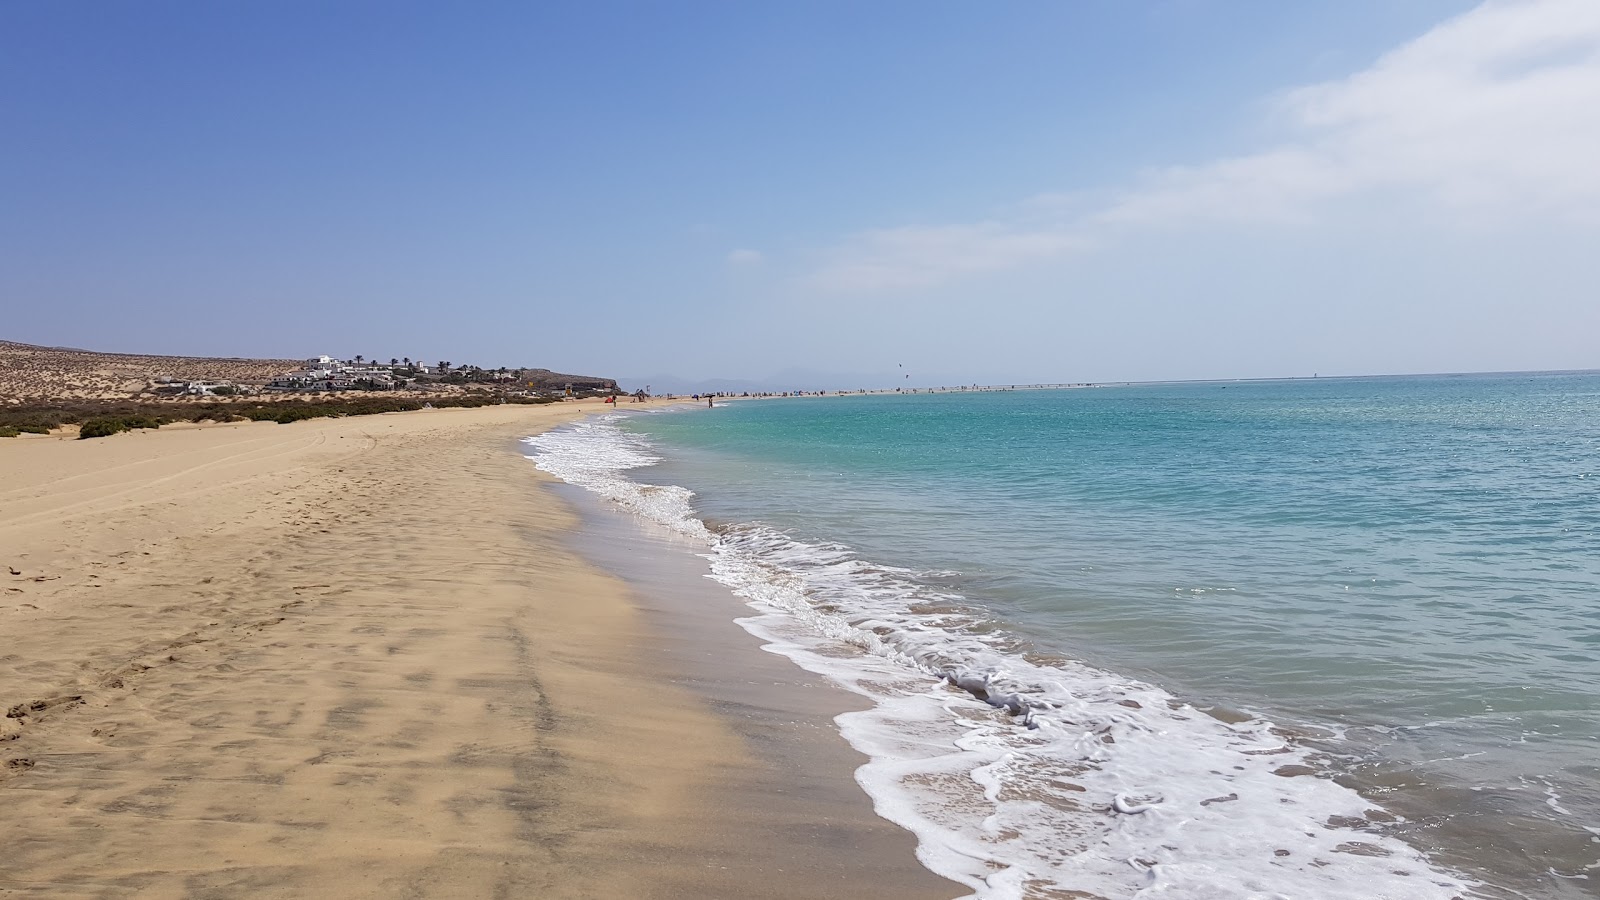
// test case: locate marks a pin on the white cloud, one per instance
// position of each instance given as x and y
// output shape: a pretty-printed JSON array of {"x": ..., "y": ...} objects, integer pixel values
[
  {"x": 1496, "y": 111},
  {"x": 920, "y": 256},
  {"x": 1492, "y": 115},
  {"x": 745, "y": 258}
]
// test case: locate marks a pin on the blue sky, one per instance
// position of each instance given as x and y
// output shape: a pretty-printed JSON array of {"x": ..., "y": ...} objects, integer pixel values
[{"x": 1078, "y": 191}]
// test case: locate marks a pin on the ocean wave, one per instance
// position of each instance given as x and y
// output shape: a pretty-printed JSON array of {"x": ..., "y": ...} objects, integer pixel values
[{"x": 1021, "y": 778}]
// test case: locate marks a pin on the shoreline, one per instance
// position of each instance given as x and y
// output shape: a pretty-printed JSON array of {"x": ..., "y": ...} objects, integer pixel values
[
  {"x": 1233, "y": 771},
  {"x": 802, "y": 780},
  {"x": 343, "y": 657}
]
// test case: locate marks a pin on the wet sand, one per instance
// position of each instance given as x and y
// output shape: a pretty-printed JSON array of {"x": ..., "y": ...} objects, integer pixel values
[
  {"x": 801, "y": 790},
  {"x": 358, "y": 658}
]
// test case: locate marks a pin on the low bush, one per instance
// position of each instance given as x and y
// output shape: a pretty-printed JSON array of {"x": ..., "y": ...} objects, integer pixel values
[
  {"x": 105, "y": 426},
  {"x": 297, "y": 413},
  {"x": 29, "y": 419},
  {"x": 100, "y": 428},
  {"x": 126, "y": 414},
  {"x": 7, "y": 431}
]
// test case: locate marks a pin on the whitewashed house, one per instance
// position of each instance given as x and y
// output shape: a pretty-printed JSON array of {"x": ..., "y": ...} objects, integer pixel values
[{"x": 204, "y": 388}]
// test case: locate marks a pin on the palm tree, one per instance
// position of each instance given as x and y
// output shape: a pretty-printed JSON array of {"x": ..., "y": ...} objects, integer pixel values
[
  {"x": 393, "y": 361},
  {"x": 359, "y": 358}
]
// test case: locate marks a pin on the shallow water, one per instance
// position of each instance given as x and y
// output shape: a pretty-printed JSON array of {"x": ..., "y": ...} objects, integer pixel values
[{"x": 1389, "y": 584}]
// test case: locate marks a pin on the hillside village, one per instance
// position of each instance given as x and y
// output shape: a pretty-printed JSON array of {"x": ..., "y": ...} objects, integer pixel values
[
  {"x": 325, "y": 373},
  {"x": 32, "y": 374}
]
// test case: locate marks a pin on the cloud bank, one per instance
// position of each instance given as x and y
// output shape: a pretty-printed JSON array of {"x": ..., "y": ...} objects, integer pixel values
[{"x": 1490, "y": 117}]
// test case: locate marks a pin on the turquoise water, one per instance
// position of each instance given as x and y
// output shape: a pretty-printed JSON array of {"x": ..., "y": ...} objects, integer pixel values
[{"x": 1404, "y": 572}]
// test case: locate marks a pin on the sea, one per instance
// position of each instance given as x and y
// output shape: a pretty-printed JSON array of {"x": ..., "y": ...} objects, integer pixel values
[{"x": 1311, "y": 638}]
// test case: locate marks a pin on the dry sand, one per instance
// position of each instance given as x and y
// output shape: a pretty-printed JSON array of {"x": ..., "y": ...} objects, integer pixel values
[{"x": 356, "y": 658}]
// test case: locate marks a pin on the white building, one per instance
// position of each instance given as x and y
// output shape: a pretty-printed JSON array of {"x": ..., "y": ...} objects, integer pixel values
[{"x": 204, "y": 388}]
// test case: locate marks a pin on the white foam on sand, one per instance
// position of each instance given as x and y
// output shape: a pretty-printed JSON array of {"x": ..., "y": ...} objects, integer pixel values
[{"x": 1023, "y": 778}]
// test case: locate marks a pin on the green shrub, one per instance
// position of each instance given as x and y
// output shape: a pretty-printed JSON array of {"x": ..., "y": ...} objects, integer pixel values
[
  {"x": 295, "y": 412},
  {"x": 8, "y": 431},
  {"x": 100, "y": 428},
  {"x": 28, "y": 419},
  {"x": 126, "y": 414}
]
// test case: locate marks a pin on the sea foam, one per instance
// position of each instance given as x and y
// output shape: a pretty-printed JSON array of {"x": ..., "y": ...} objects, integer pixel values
[{"x": 1023, "y": 777}]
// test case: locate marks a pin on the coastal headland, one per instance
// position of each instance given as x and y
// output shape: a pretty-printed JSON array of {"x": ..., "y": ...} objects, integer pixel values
[{"x": 356, "y": 657}]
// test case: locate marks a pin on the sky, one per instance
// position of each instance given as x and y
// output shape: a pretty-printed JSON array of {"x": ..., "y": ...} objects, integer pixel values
[{"x": 836, "y": 192}]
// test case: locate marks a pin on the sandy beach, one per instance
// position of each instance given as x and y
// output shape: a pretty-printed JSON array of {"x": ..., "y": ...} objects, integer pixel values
[{"x": 360, "y": 658}]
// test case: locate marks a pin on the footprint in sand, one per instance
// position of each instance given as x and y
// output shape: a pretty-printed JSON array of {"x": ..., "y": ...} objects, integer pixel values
[{"x": 37, "y": 706}]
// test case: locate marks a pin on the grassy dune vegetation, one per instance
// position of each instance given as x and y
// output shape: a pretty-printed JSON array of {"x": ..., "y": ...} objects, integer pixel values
[{"x": 102, "y": 418}]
